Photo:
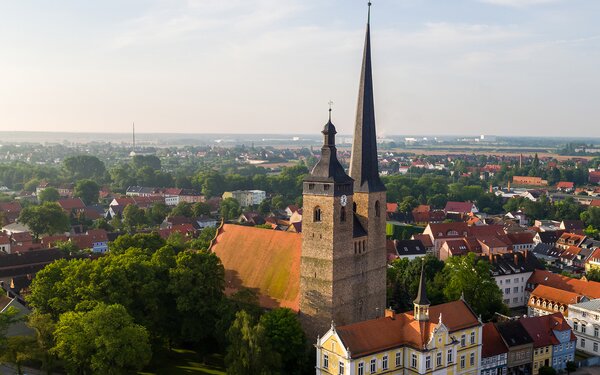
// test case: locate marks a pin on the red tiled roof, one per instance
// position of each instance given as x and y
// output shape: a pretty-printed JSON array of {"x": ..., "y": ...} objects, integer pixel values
[
  {"x": 262, "y": 259},
  {"x": 403, "y": 329},
  {"x": 541, "y": 329},
  {"x": 521, "y": 238},
  {"x": 492, "y": 342},
  {"x": 565, "y": 185},
  {"x": 462, "y": 207},
  {"x": 10, "y": 206},
  {"x": 570, "y": 252},
  {"x": 444, "y": 230},
  {"x": 595, "y": 203},
  {"x": 590, "y": 289},
  {"x": 422, "y": 208},
  {"x": 392, "y": 207},
  {"x": 549, "y": 293},
  {"x": 4, "y": 240},
  {"x": 69, "y": 204}
]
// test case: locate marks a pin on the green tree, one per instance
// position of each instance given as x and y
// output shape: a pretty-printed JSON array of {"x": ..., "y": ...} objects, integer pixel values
[
  {"x": 149, "y": 242},
  {"x": 133, "y": 217},
  {"x": 197, "y": 282},
  {"x": 200, "y": 209},
  {"x": 468, "y": 276},
  {"x": 44, "y": 327},
  {"x": 18, "y": 350},
  {"x": 230, "y": 209},
  {"x": 47, "y": 218},
  {"x": 593, "y": 274},
  {"x": 277, "y": 202},
  {"x": 571, "y": 366},
  {"x": 88, "y": 191},
  {"x": 81, "y": 167},
  {"x": 403, "y": 281},
  {"x": 591, "y": 216},
  {"x": 49, "y": 194},
  {"x": 249, "y": 351},
  {"x": 287, "y": 338},
  {"x": 104, "y": 340},
  {"x": 547, "y": 370},
  {"x": 408, "y": 204},
  {"x": 31, "y": 185},
  {"x": 203, "y": 240},
  {"x": 183, "y": 209},
  {"x": 158, "y": 212},
  {"x": 143, "y": 161}
]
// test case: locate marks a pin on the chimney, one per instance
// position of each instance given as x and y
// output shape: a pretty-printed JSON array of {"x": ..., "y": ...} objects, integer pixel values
[
  {"x": 516, "y": 257},
  {"x": 491, "y": 255},
  {"x": 389, "y": 313},
  {"x": 525, "y": 253}
]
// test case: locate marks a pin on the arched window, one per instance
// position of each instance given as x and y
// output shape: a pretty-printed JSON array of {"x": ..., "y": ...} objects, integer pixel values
[
  {"x": 354, "y": 207},
  {"x": 343, "y": 214},
  {"x": 377, "y": 209},
  {"x": 317, "y": 214}
]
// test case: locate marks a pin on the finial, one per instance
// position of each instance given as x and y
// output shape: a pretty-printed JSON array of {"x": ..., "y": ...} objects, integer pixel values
[
  {"x": 369, "y": 13},
  {"x": 440, "y": 319},
  {"x": 333, "y": 325},
  {"x": 330, "y": 105}
]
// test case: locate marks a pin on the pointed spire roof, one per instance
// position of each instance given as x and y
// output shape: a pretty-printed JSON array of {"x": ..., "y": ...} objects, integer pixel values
[
  {"x": 364, "y": 168},
  {"x": 328, "y": 169},
  {"x": 422, "y": 293}
]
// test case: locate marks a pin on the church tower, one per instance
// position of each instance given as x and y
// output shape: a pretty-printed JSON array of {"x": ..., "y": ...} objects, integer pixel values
[
  {"x": 369, "y": 191},
  {"x": 343, "y": 262},
  {"x": 421, "y": 303}
]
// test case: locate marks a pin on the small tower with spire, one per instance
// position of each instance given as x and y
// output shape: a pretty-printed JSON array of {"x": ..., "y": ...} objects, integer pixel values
[{"x": 421, "y": 303}]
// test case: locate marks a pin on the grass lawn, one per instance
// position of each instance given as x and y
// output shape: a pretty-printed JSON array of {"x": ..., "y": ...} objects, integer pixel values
[{"x": 182, "y": 361}]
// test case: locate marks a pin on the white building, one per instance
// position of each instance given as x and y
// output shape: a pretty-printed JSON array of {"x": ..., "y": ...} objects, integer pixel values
[
  {"x": 511, "y": 272},
  {"x": 246, "y": 198},
  {"x": 584, "y": 317}
]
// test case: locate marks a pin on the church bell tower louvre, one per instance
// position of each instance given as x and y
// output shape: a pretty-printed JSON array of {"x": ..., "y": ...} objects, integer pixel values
[{"x": 343, "y": 261}]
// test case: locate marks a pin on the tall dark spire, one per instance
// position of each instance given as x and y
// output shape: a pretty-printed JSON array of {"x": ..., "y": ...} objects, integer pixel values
[
  {"x": 422, "y": 299},
  {"x": 363, "y": 167}
]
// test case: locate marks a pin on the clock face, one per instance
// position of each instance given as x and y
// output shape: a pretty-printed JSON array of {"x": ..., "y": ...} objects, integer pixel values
[{"x": 343, "y": 200}]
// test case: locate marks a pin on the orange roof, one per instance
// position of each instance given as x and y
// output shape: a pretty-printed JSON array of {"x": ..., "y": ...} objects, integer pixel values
[
  {"x": 565, "y": 185},
  {"x": 262, "y": 259},
  {"x": 590, "y": 289},
  {"x": 392, "y": 207},
  {"x": 555, "y": 295},
  {"x": 595, "y": 203},
  {"x": 403, "y": 329}
]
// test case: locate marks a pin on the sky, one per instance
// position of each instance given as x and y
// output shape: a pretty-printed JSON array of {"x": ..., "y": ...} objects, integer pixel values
[{"x": 459, "y": 67}]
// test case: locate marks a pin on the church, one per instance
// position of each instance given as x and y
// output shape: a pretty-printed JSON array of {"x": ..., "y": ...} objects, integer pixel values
[{"x": 335, "y": 270}]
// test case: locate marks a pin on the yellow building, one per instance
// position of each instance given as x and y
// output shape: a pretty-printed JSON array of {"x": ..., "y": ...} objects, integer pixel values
[
  {"x": 542, "y": 356},
  {"x": 445, "y": 339}
]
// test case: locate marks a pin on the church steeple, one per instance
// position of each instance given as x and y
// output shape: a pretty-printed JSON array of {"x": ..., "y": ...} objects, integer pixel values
[
  {"x": 328, "y": 169},
  {"x": 421, "y": 309},
  {"x": 363, "y": 167}
]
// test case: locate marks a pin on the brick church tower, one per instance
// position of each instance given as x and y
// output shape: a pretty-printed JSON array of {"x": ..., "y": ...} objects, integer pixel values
[{"x": 343, "y": 262}]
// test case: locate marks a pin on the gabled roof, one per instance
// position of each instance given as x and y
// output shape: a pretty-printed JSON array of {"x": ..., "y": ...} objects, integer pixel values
[
  {"x": 492, "y": 342},
  {"x": 461, "y": 207},
  {"x": 513, "y": 263},
  {"x": 261, "y": 259},
  {"x": 448, "y": 230},
  {"x": 69, "y": 204},
  {"x": 521, "y": 238},
  {"x": 424, "y": 238},
  {"x": 595, "y": 203},
  {"x": 513, "y": 333},
  {"x": 565, "y": 185},
  {"x": 10, "y": 206},
  {"x": 590, "y": 289},
  {"x": 550, "y": 236},
  {"x": 541, "y": 329},
  {"x": 375, "y": 335}
]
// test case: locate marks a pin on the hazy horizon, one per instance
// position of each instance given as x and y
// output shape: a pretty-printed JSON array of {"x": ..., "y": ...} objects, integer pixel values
[{"x": 466, "y": 67}]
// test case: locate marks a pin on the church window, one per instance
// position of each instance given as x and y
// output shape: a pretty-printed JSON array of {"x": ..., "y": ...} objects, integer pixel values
[
  {"x": 354, "y": 206},
  {"x": 364, "y": 245},
  {"x": 377, "y": 209},
  {"x": 343, "y": 214},
  {"x": 317, "y": 214}
]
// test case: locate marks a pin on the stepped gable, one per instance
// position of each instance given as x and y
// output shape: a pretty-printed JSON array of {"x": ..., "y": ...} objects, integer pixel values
[
  {"x": 404, "y": 329},
  {"x": 264, "y": 260}
]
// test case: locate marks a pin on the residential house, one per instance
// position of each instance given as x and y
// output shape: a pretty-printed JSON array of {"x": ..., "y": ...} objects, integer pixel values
[
  {"x": 66, "y": 190},
  {"x": 546, "y": 252},
  {"x": 94, "y": 239},
  {"x": 424, "y": 215},
  {"x": 569, "y": 239},
  {"x": 458, "y": 247},
  {"x": 566, "y": 186},
  {"x": 10, "y": 211},
  {"x": 72, "y": 205},
  {"x": 553, "y": 341},
  {"x": 494, "y": 352},
  {"x": 426, "y": 241},
  {"x": 4, "y": 243},
  {"x": 519, "y": 217},
  {"x": 520, "y": 347},
  {"x": 549, "y": 237},
  {"x": 409, "y": 249},
  {"x": 593, "y": 261},
  {"x": 291, "y": 209},
  {"x": 584, "y": 317},
  {"x": 511, "y": 272},
  {"x": 251, "y": 218},
  {"x": 441, "y": 232},
  {"x": 493, "y": 244},
  {"x": 444, "y": 338},
  {"x": 572, "y": 226},
  {"x": 246, "y": 198},
  {"x": 522, "y": 241},
  {"x": 461, "y": 208},
  {"x": 545, "y": 300},
  {"x": 594, "y": 177}
]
